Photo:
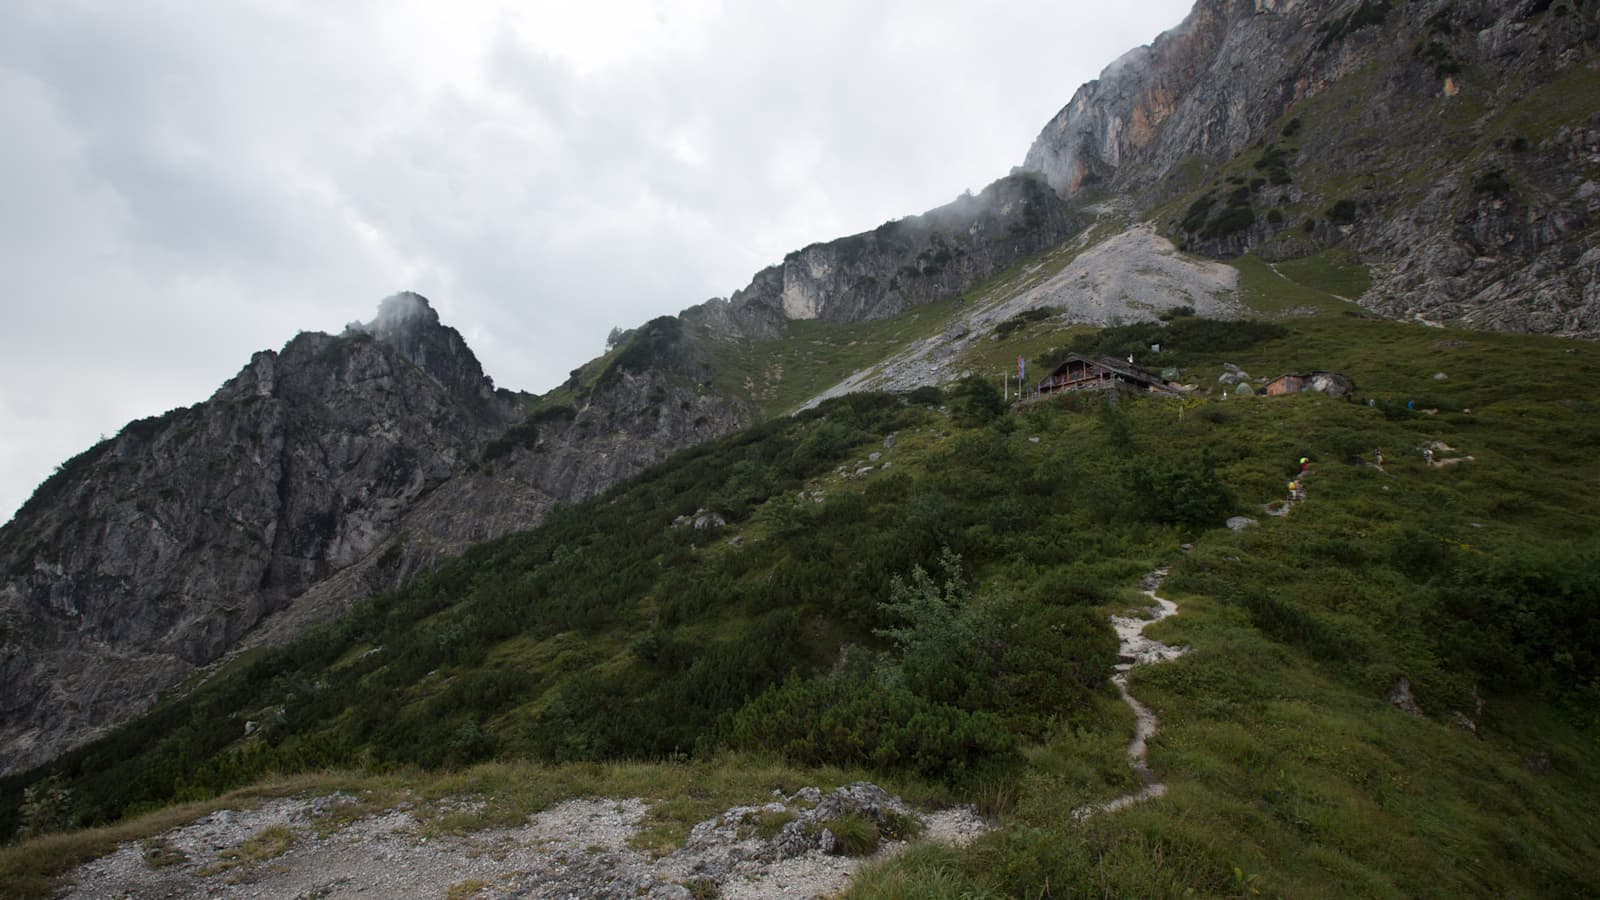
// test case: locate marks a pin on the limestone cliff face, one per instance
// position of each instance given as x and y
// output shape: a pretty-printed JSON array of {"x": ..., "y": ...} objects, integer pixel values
[
  {"x": 1206, "y": 90},
  {"x": 620, "y": 429},
  {"x": 1109, "y": 121},
  {"x": 918, "y": 259},
  {"x": 153, "y": 552},
  {"x": 1462, "y": 134}
]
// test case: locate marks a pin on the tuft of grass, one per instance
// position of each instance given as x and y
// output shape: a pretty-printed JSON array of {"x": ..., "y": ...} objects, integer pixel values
[
  {"x": 898, "y": 826},
  {"x": 702, "y": 889},
  {"x": 857, "y": 835},
  {"x": 767, "y": 823},
  {"x": 268, "y": 843},
  {"x": 465, "y": 890},
  {"x": 158, "y": 853},
  {"x": 923, "y": 872}
]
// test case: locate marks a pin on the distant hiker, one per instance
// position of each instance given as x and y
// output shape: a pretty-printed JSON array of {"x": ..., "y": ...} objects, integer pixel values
[
  {"x": 1378, "y": 455},
  {"x": 1294, "y": 490},
  {"x": 1427, "y": 455},
  {"x": 1304, "y": 465}
]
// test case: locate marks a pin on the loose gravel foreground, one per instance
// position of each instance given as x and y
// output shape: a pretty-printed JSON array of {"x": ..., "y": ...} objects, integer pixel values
[{"x": 295, "y": 848}]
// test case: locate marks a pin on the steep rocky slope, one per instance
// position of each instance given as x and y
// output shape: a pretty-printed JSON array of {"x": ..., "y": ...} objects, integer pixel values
[
  {"x": 1133, "y": 275},
  {"x": 339, "y": 466},
  {"x": 558, "y": 454},
  {"x": 899, "y": 264},
  {"x": 152, "y": 552},
  {"x": 1455, "y": 144}
]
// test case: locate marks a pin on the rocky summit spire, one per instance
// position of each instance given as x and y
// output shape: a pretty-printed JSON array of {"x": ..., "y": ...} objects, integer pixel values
[
  {"x": 405, "y": 312},
  {"x": 409, "y": 325}
]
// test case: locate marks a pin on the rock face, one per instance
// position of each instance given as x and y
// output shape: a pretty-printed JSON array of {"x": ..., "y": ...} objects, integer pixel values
[
  {"x": 319, "y": 474},
  {"x": 153, "y": 552},
  {"x": 1447, "y": 141},
  {"x": 618, "y": 431},
  {"x": 883, "y": 272},
  {"x": 1120, "y": 121}
]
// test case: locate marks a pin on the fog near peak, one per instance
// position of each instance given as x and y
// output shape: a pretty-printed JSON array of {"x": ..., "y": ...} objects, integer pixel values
[{"x": 403, "y": 310}]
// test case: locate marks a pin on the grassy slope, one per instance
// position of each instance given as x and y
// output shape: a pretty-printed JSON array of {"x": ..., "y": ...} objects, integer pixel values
[{"x": 1289, "y": 774}]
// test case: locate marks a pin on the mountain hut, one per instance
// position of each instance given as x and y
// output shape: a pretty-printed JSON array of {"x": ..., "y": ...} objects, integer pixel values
[{"x": 1080, "y": 373}]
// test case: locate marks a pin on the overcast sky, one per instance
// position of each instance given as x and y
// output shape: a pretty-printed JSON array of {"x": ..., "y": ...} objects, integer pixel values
[{"x": 184, "y": 183}]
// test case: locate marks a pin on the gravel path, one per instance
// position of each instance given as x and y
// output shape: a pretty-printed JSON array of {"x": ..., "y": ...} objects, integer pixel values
[{"x": 1134, "y": 649}]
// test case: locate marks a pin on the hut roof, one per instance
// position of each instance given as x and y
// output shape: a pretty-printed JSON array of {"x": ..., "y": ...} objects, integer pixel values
[{"x": 1112, "y": 364}]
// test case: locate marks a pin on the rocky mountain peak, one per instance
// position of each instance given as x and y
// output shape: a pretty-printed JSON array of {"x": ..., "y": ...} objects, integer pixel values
[
  {"x": 408, "y": 324},
  {"x": 404, "y": 314}
]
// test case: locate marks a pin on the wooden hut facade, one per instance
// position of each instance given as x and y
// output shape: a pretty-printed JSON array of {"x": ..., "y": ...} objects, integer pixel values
[{"x": 1080, "y": 373}]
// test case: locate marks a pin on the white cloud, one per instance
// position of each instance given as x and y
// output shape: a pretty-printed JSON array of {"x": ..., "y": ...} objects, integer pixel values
[{"x": 186, "y": 183}]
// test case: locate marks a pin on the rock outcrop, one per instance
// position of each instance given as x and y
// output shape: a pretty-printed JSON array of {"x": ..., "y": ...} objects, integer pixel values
[
  {"x": 154, "y": 552},
  {"x": 1449, "y": 142},
  {"x": 561, "y": 455},
  {"x": 899, "y": 264}
]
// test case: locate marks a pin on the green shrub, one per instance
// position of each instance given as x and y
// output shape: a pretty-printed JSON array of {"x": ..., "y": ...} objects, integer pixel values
[
  {"x": 656, "y": 344},
  {"x": 1179, "y": 492},
  {"x": 827, "y": 443},
  {"x": 1023, "y": 319},
  {"x": 46, "y": 807},
  {"x": 897, "y": 826},
  {"x": 1493, "y": 181},
  {"x": 978, "y": 401},
  {"x": 849, "y": 721},
  {"x": 1343, "y": 212},
  {"x": 1229, "y": 222},
  {"x": 1195, "y": 217},
  {"x": 1526, "y": 618}
]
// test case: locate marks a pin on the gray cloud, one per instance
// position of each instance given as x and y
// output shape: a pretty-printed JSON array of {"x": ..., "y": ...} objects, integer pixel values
[{"x": 186, "y": 183}]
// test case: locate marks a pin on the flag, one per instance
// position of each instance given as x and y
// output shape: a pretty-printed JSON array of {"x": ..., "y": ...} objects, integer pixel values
[{"x": 1019, "y": 368}]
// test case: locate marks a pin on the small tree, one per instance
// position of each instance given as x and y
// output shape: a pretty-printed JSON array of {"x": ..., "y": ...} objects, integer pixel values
[
  {"x": 945, "y": 638},
  {"x": 979, "y": 401},
  {"x": 46, "y": 807}
]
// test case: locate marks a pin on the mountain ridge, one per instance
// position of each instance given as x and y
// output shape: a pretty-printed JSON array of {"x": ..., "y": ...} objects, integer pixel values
[{"x": 1219, "y": 158}]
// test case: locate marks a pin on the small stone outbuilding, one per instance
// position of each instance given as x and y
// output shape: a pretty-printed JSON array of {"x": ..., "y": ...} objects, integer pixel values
[{"x": 1331, "y": 383}]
